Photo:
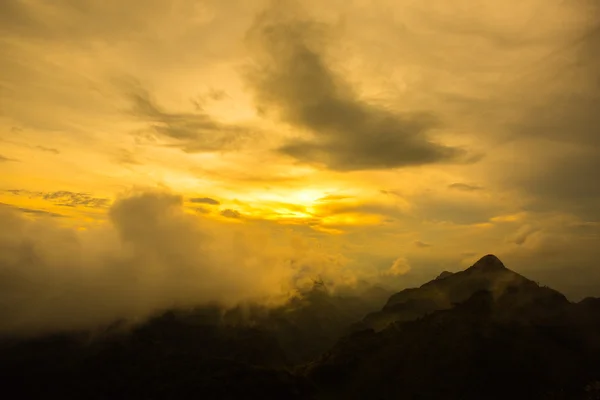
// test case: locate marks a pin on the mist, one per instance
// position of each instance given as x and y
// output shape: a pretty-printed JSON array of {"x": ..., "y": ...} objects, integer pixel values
[{"x": 151, "y": 255}]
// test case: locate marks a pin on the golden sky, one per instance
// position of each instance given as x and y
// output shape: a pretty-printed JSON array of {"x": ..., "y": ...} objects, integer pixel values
[{"x": 384, "y": 132}]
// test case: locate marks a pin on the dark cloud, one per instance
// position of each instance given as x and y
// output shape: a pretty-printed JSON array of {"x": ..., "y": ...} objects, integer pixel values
[
  {"x": 71, "y": 199},
  {"x": 202, "y": 210},
  {"x": 48, "y": 149},
  {"x": 229, "y": 213},
  {"x": 369, "y": 208},
  {"x": 465, "y": 187},
  {"x": 292, "y": 77},
  {"x": 521, "y": 236},
  {"x": 64, "y": 198},
  {"x": 420, "y": 244},
  {"x": 193, "y": 132},
  {"x": 39, "y": 212},
  {"x": 205, "y": 200},
  {"x": 33, "y": 211},
  {"x": 16, "y": 130},
  {"x": 6, "y": 159}
]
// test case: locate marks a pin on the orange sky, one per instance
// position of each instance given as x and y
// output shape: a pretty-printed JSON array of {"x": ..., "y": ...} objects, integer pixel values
[{"x": 427, "y": 132}]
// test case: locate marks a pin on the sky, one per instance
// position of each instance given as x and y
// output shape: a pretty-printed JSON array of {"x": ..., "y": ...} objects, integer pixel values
[{"x": 204, "y": 150}]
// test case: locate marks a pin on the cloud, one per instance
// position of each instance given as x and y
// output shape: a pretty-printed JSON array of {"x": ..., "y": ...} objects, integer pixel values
[
  {"x": 192, "y": 132},
  {"x": 334, "y": 208},
  {"x": 291, "y": 76},
  {"x": 558, "y": 122},
  {"x": 524, "y": 232},
  {"x": 6, "y": 159},
  {"x": 465, "y": 187},
  {"x": 456, "y": 210},
  {"x": 80, "y": 21},
  {"x": 204, "y": 200},
  {"x": 33, "y": 211},
  {"x": 151, "y": 256},
  {"x": 564, "y": 181},
  {"x": 16, "y": 131},
  {"x": 71, "y": 199},
  {"x": 126, "y": 157},
  {"x": 64, "y": 198},
  {"x": 48, "y": 149},
  {"x": 399, "y": 267},
  {"x": 422, "y": 245},
  {"x": 229, "y": 213}
]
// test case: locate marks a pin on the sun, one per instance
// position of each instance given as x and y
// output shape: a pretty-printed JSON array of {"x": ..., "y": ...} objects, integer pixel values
[
  {"x": 302, "y": 197},
  {"x": 306, "y": 197},
  {"x": 291, "y": 204}
]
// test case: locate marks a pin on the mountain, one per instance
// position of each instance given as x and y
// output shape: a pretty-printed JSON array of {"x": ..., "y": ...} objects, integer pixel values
[
  {"x": 169, "y": 356},
  {"x": 489, "y": 273},
  {"x": 201, "y": 352},
  {"x": 483, "y": 333},
  {"x": 463, "y": 353},
  {"x": 312, "y": 322}
]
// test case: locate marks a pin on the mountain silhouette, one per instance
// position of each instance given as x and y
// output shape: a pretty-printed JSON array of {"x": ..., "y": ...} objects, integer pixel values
[
  {"x": 483, "y": 333},
  {"x": 488, "y": 273}
]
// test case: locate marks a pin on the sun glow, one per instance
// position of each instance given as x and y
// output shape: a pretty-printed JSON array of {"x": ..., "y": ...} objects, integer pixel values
[{"x": 304, "y": 197}]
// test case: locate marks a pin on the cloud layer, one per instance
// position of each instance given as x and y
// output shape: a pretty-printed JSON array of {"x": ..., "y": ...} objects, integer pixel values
[{"x": 151, "y": 256}]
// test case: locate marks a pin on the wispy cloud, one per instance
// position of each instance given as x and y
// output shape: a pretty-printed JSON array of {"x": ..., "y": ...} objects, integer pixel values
[
  {"x": 65, "y": 198},
  {"x": 48, "y": 149},
  {"x": 192, "y": 131},
  {"x": 126, "y": 157},
  {"x": 16, "y": 131},
  {"x": 205, "y": 200},
  {"x": 33, "y": 211},
  {"x": 465, "y": 187},
  {"x": 6, "y": 159},
  {"x": 421, "y": 244},
  {"x": 229, "y": 213}
]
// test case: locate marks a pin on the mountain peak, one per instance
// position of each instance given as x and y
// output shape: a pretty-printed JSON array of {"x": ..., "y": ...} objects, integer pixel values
[
  {"x": 489, "y": 261},
  {"x": 443, "y": 275}
]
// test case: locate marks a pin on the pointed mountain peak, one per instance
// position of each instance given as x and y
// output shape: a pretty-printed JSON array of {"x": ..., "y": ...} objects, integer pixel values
[{"x": 489, "y": 261}]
